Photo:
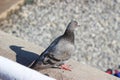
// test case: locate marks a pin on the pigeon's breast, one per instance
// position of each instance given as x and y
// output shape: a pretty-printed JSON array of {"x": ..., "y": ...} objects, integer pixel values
[{"x": 64, "y": 50}]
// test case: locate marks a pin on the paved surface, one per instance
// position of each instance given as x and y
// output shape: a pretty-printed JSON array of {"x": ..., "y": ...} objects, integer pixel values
[{"x": 8, "y": 5}]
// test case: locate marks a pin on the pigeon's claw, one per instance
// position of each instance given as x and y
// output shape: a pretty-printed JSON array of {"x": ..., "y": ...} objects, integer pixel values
[{"x": 65, "y": 67}]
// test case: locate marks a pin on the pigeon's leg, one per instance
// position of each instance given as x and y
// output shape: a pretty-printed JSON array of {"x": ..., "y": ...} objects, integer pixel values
[
  {"x": 65, "y": 67},
  {"x": 61, "y": 65}
]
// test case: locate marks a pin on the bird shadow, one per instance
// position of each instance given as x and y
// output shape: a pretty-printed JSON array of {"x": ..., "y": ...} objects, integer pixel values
[{"x": 22, "y": 56}]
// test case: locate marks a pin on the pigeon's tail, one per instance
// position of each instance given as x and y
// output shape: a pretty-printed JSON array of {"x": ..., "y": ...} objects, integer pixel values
[
  {"x": 38, "y": 60},
  {"x": 33, "y": 64}
]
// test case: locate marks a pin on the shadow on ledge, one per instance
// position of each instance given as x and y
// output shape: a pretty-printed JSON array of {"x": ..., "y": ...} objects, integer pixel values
[{"x": 22, "y": 56}]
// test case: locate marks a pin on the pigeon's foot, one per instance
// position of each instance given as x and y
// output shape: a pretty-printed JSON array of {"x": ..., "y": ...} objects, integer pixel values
[{"x": 65, "y": 67}]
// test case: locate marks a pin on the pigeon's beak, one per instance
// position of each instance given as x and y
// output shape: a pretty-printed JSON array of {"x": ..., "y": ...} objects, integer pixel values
[
  {"x": 76, "y": 27},
  {"x": 76, "y": 24}
]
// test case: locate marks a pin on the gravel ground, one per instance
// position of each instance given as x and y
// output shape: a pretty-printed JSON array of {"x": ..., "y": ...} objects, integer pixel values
[{"x": 97, "y": 39}]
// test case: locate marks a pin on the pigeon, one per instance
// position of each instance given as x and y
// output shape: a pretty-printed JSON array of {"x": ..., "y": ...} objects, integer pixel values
[{"x": 59, "y": 51}]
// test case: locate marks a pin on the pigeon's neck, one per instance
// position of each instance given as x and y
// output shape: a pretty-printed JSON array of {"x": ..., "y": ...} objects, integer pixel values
[{"x": 69, "y": 35}]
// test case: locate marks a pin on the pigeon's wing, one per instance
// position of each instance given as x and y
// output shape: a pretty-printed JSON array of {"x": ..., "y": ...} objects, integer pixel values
[{"x": 50, "y": 49}]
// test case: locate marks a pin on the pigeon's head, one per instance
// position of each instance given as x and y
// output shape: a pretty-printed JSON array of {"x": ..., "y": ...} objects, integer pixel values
[{"x": 72, "y": 25}]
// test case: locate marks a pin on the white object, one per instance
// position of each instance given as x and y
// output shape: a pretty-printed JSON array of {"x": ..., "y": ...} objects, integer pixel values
[{"x": 10, "y": 70}]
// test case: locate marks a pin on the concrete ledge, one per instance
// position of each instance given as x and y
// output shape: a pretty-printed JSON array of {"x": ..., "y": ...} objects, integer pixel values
[
  {"x": 25, "y": 53},
  {"x": 9, "y": 6}
]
